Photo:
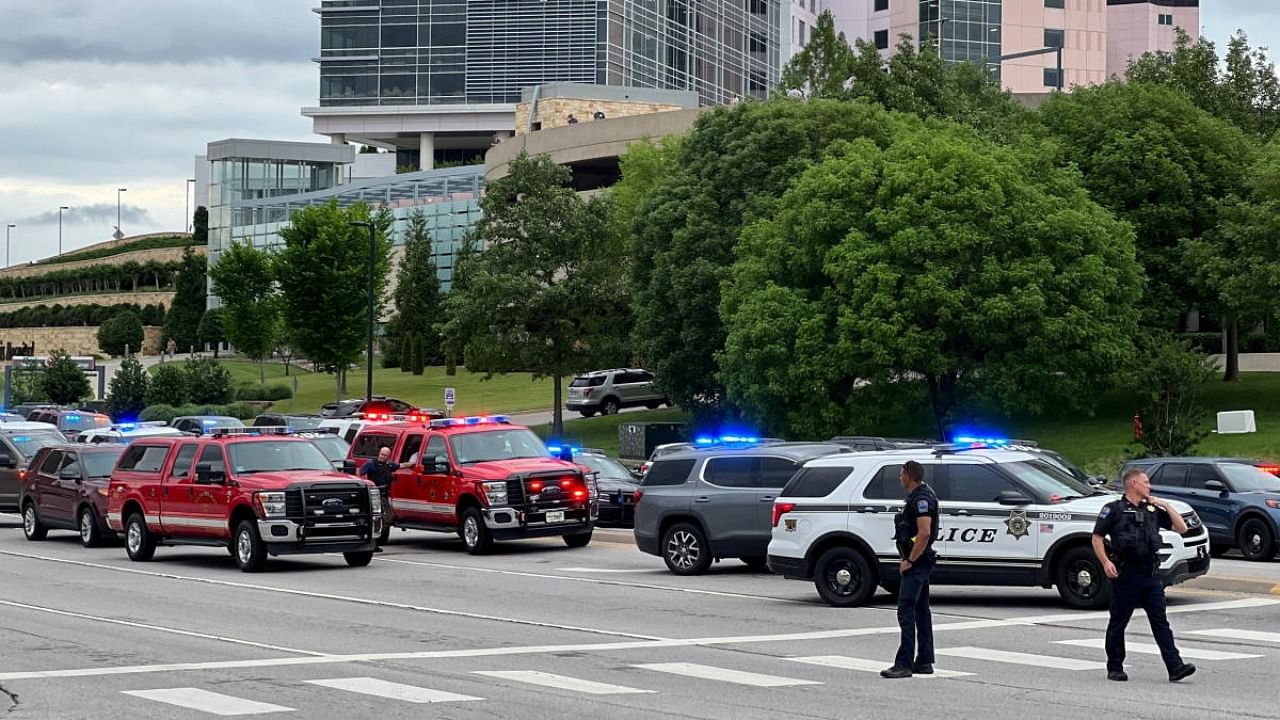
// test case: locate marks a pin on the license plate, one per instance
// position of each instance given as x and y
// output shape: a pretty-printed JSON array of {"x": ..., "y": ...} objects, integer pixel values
[{"x": 555, "y": 516}]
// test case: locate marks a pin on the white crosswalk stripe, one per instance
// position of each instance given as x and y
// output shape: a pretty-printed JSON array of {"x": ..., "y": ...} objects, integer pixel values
[
  {"x": 739, "y": 677},
  {"x": 1017, "y": 658},
  {"x": 208, "y": 702},
  {"x": 391, "y": 690},
  {"x": 1234, "y": 634},
  {"x": 1153, "y": 649},
  {"x": 844, "y": 662},
  {"x": 562, "y": 682}
]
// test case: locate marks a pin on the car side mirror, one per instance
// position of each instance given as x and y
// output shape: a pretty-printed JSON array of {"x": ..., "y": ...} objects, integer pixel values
[
  {"x": 348, "y": 466},
  {"x": 206, "y": 475},
  {"x": 1097, "y": 481},
  {"x": 1013, "y": 497},
  {"x": 1215, "y": 485},
  {"x": 6, "y": 460},
  {"x": 434, "y": 465}
]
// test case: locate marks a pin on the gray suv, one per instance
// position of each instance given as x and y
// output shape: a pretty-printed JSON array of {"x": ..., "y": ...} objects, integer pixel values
[
  {"x": 697, "y": 506},
  {"x": 607, "y": 391}
]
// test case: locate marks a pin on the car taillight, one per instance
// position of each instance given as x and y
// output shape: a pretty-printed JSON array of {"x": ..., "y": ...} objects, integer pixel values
[
  {"x": 1273, "y": 469},
  {"x": 780, "y": 509},
  {"x": 635, "y": 496},
  {"x": 23, "y": 475}
]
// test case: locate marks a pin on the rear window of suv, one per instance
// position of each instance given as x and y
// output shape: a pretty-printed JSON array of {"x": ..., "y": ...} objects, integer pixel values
[
  {"x": 588, "y": 381},
  {"x": 816, "y": 482},
  {"x": 668, "y": 472}
]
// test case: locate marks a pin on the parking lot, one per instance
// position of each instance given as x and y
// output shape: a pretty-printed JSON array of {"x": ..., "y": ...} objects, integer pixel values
[{"x": 541, "y": 630}]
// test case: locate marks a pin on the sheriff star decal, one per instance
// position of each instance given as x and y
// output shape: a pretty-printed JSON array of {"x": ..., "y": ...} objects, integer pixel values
[{"x": 1017, "y": 524}]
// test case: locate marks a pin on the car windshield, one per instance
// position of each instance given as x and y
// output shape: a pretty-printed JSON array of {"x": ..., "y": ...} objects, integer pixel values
[
  {"x": 220, "y": 422},
  {"x": 489, "y": 445},
  {"x": 99, "y": 464},
  {"x": 607, "y": 467},
  {"x": 30, "y": 443},
  {"x": 265, "y": 456},
  {"x": 1057, "y": 460},
  {"x": 333, "y": 447},
  {"x": 83, "y": 421},
  {"x": 1247, "y": 478},
  {"x": 1049, "y": 480},
  {"x": 303, "y": 423}
]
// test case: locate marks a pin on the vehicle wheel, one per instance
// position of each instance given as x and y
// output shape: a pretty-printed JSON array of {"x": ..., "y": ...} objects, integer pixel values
[
  {"x": 685, "y": 549},
  {"x": 251, "y": 552},
  {"x": 843, "y": 577},
  {"x": 358, "y": 559},
  {"x": 610, "y": 406},
  {"x": 587, "y": 413},
  {"x": 139, "y": 543},
  {"x": 578, "y": 540},
  {"x": 31, "y": 525},
  {"x": 90, "y": 533},
  {"x": 757, "y": 562},
  {"x": 475, "y": 536},
  {"x": 654, "y": 405},
  {"x": 1256, "y": 540},
  {"x": 1081, "y": 582}
]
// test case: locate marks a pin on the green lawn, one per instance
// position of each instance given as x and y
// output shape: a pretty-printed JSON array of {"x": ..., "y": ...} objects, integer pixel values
[{"x": 602, "y": 432}]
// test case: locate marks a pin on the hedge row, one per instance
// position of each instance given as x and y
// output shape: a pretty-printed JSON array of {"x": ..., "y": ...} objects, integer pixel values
[
  {"x": 166, "y": 413},
  {"x": 129, "y": 276},
  {"x": 79, "y": 315}
]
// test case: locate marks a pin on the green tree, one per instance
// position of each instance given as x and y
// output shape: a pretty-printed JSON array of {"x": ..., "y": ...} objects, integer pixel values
[
  {"x": 211, "y": 330},
  {"x": 168, "y": 386},
  {"x": 208, "y": 382},
  {"x": 127, "y": 391},
  {"x": 245, "y": 282},
  {"x": 418, "y": 303},
  {"x": 417, "y": 364},
  {"x": 406, "y": 353},
  {"x": 548, "y": 293},
  {"x": 1169, "y": 378},
  {"x": 63, "y": 382},
  {"x": 823, "y": 66},
  {"x": 940, "y": 256},
  {"x": 182, "y": 322},
  {"x": 200, "y": 226},
  {"x": 121, "y": 334},
  {"x": 323, "y": 276}
]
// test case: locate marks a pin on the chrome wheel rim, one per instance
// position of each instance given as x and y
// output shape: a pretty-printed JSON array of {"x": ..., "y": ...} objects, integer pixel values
[
  {"x": 1082, "y": 581},
  {"x": 683, "y": 550},
  {"x": 843, "y": 578},
  {"x": 470, "y": 532},
  {"x": 134, "y": 537},
  {"x": 29, "y": 520},
  {"x": 244, "y": 547},
  {"x": 86, "y": 527}
]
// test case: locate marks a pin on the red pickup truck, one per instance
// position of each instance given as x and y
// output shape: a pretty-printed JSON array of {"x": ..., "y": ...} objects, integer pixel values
[{"x": 254, "y": 491}]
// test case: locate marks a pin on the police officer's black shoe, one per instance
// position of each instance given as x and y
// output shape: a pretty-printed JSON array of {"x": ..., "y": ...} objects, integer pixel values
[
  {"x": 1117, "y": 675},
  {"x": 922, "y": 669},
  {"x": 895, "y": 672},
  {"x": 1185, "y": 670}
]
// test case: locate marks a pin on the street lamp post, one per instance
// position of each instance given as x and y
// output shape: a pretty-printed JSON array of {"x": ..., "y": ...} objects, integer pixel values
[
  {"x": 118, "y": 191},
  {"x": 186, "y": 196},
  {"x": 373, "y": 243},
  {"x": 7, "y": 228},
  {"x": 61, "y": 209}
]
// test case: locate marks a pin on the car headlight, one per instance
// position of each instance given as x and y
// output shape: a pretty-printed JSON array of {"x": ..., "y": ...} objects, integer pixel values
[
  {"x": 272, "y": 504},
  {"x": 375, "y": 501},
  {"x": 496, "y": 492}
]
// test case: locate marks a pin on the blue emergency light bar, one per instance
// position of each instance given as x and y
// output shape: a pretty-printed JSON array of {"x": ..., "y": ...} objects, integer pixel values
[
  {"x": 471, "y": 420},
  {"x": 708, "y": 441}
]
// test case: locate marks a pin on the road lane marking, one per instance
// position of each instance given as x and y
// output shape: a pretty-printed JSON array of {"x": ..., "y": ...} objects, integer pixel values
[
  {"x": 159, "y": 628},
  {"x": 1152, "y": 649},
  {"x": 843, "y": 662},
  {"x": 1234, "y": 634},
  {"x": 603, "y": 570},
  {"x": 392, "y": 691},
  {"x": 208, "y": 702},
  {"x": 560, "y": 682},
  {"x": 737, "y": 677},
  {"x": 1017, "y": 658}
]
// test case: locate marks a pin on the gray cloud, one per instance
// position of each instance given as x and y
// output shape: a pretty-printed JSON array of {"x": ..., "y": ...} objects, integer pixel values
[{"x": 91, "y": 214}]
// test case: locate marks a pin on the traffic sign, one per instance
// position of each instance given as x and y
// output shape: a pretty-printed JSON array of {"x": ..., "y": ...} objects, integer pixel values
[{"x": 449, "y": 397}]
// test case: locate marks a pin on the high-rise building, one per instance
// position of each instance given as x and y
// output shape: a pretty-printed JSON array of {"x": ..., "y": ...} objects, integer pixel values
[
  {"x": 798, "y": 19},
  {"x": 438, "y": 80}
]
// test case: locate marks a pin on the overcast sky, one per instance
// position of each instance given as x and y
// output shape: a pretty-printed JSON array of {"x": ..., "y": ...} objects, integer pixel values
[{"x": 102, "y": 94}]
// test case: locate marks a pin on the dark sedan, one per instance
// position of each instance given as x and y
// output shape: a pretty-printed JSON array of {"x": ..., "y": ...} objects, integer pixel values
[{"x": 617, "y": 487}]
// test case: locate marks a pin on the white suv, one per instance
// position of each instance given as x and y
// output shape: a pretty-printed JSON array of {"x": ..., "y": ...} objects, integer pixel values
[{"x": 1007, "y": 518}]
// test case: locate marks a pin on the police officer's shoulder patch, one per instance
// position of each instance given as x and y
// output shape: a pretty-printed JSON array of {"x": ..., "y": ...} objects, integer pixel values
[
  {"x": 922, "y": 505},
  {"x": 1106, "y": 511}
]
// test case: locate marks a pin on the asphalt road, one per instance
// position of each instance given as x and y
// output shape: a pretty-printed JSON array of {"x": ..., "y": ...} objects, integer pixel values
[{"x": 539, "y": 630}]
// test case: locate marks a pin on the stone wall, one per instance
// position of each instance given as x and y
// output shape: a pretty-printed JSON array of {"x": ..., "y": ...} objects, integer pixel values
[
  {"x": 170, "y": 254},
  {"x": 554, "y": 112},
  {"x": 140, "y": 298},
  {"x": 79, "y": 340}
]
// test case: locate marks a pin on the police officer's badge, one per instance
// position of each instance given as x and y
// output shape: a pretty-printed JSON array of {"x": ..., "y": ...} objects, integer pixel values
[{"x": 1017, "y": 523}]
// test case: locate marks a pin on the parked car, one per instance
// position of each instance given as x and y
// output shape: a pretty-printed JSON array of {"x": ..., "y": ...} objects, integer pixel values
[
  {"x": 19, "y": 442},
  {"x": 70, "y": 422},
  {"x": 1238, "y": 499},
  {"x": 608, "y": 391},
  {"x": 335, "y": 448},
  {"x": 66, "y": 489},
  {"x": 616, "y": 486},
  {"x": 125, "y": 433},
  {"x": 203, "y": 424},
  {"x": 293, "y": 422},
  {"x": 377, "y": 404}
]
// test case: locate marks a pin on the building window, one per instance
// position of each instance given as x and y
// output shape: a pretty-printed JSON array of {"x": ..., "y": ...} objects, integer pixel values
[
  {"x": 1051, "y": 77},
  {"x": 802, "y": 32},
  {"x": 882, "y": 39},
  {"x": 1054, "y": 38},
  {"x": 881, "y": 5},
  {"x": 1055, "y": 3},
  {"x": 1166, "y": 19}
]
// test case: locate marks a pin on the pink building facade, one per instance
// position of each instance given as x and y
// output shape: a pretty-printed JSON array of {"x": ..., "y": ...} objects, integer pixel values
[{"x": 1134, "y": 28}]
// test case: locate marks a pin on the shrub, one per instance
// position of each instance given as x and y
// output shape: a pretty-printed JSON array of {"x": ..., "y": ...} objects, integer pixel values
[
  {"x": 169, "y": 385},
  {"x": 127, "y": 393},
  {"x": 419, "y": 354},
  {"x": 208, "y": 381},
  {"x": 63, "y": 382},
  {"x": 155, "y": 413},
  {"x": 264, "y": 392},
  {"x": 120, "y": 334},
  {"x": 1168, "y": 381}
]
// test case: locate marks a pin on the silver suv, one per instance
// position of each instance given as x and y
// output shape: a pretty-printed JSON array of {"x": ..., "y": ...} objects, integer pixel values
[
  {"x": 608, "y": 391},
  {"x": 714, "y": 502}
]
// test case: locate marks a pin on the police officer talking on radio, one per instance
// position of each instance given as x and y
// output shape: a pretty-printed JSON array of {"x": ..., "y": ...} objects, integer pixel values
[
  {"x": 914, "y": 531},
  {"x": 1133, "y": 524}
]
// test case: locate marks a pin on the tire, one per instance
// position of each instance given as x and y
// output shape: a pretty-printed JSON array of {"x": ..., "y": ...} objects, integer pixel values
[
  {"x": 578, "y": 540},
  {"x": 139, "y": 542},
  {"x": 758, "y": 563},
  {"x": 685, "y": 549},
  {"x": 358, "y": 559},
  {"x": 1256, "y": 540},
  {"x": 844, "y": 578},
  {"x": 1081, "y": 582},
  {"x": 90, "y": 529},
  {"x": 31, "y": 525},
  {"x": 654, "y": 404},
  {"x": 475, "y": 536},
  {"x": 250, "y": 551},
  {"x": 610, "y": 406},
  {"x": 587, "y": 413}
]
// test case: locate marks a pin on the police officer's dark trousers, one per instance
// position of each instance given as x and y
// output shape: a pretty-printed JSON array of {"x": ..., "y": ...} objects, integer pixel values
[
  {"x": 1136, "y": 588},
  {"x": 914, "y": 617}
]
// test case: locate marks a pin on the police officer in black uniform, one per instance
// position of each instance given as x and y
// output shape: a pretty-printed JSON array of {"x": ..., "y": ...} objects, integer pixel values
[
  {"x": 914, "y": 531},
  {"x": 381, "y": 473},
  {"x": 1133, "y": 524}
]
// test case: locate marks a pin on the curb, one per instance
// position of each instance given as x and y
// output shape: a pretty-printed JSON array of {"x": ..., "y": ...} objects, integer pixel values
[{"x": 1234, "y": 584}]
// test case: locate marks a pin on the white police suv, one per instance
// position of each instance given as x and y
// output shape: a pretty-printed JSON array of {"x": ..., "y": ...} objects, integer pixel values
[{"x": 1008, "y": 517}]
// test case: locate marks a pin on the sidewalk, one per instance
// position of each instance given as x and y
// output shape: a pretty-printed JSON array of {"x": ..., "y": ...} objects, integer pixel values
[{"x": 1230, "y": 574}]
